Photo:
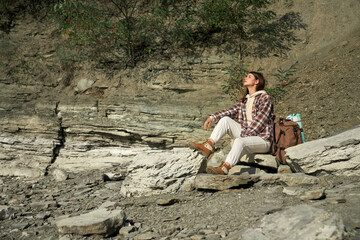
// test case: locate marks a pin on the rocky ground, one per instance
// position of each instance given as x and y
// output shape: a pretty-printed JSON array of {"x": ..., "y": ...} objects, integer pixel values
[
  {"x": 90, "y": 122},
  {"x": 36, "y": 206}
]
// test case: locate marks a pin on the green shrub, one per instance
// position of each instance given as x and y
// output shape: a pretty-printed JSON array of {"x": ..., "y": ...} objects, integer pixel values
[
  {"x": 110, "y": 29},
  {"x": 116, "y": 28}
]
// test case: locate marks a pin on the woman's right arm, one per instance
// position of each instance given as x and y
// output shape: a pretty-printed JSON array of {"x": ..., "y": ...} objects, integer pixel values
[{"x": 232, "y": 112}]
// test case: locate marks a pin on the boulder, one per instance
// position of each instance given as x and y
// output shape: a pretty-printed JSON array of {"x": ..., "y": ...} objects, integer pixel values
[
  {"x": 100, "y": 222},
  {"x": 165, "y": 171},
  {"x": 298, "y": 222},
  {"x": 338, "y": 154}
]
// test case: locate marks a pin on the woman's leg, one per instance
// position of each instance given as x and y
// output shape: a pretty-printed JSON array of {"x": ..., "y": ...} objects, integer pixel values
[
  {"x": 226, "y": 125},
  {"x": 242, "y": 146}
]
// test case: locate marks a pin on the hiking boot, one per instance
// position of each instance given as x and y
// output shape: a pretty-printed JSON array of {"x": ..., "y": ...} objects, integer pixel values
[
  {"x": 222, "y": 169},
  {"x": 206, "y": 148}
]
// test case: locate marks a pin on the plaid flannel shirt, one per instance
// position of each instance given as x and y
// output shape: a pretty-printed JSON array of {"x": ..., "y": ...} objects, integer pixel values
[{"x": 262, "y": 113}]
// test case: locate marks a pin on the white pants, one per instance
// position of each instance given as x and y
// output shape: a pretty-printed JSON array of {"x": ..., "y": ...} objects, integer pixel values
[{"x": 242, "y": 145}]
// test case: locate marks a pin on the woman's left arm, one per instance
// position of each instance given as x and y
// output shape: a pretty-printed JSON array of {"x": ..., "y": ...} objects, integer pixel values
[{"x": 262, "y": 118}]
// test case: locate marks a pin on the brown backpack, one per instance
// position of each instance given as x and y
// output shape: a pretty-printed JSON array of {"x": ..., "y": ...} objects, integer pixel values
[{"x": 286, "y": 134}]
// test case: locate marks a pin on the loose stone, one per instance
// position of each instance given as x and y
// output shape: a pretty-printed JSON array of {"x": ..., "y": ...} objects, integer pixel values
[
  {"x": 60, "y": 175},
  {"x": 167, "y": 202},
  {"x": 43, "y": 205},
  {"x": 100, "y": 221},
  {"x": 313, "y": 194},
  {"x": 6, "y": 212}
]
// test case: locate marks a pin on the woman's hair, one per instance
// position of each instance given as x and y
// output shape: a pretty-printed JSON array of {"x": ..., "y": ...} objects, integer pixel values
[{"x": 260, "y": 86}]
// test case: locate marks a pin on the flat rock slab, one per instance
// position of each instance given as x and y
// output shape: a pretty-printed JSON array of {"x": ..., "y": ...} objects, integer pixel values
[
  {"x": 298, "y": 222},
  {"x": 99, "y": 222},
  {"x": 338, "y": 154},
  {"x": 305, "y": 194},
  {"x": 158, "y": 172},
  {"x": 221, "y": 182},
  {"x": 289, "y": 179}
]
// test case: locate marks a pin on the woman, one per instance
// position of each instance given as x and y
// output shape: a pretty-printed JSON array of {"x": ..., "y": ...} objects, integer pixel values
[{"x": 249, "y": 122}]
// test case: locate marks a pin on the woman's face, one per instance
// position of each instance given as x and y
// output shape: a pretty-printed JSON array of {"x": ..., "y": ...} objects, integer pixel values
[{"x": 250, "y": 80}]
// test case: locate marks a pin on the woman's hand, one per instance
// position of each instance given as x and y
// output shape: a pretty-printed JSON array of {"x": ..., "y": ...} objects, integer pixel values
[{"x": 207, "y": 123}]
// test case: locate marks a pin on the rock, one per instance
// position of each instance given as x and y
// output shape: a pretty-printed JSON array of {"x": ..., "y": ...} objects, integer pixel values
[
  {"x": 298, "y": 222},
  {"x": 221, "y": 233},
  {"x": 313, "y": 194},
  {"x": 221, "y": 182},
  {"x": 167, "y": 202},
  {"x": 146, "y": 236},
  {"x": 293, "y": 179},
  {"x": 284, "y": 169},
  {"x": 21, "y": 171},
  {"x": 27, "y": 140},
  {"x": 197, "y": 237},
  {"x": 162, "y": 171},
  {"x": 115, "y": 176},
  {"x": 338, "y": 154},
  {"x": 84, "y": 84},
  {"x": 217, "y": 157},
  {"x": 60, "y": 175},
  {"x": 240, "y": 169},
  {"x": 42, "y": 216},
  {"x": 99, "y": 222},
  {"x": 263, "y": 160},
  {"x": 6, "y": 212},
  {"x": 212, "y": 236},
  {"x": 65, "y": 237},
  {"x": 43, "y": 205},
  {"x": 82, "y": 192},
  {"x": 90, "y": 178},
  {"x": 125, "y": 231},
  {"x": 206, "y": 231},
  {"x": 293, "y": 191},
  {"x": 20, "y": 226},
  {"x": 169, "y": 231}
]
